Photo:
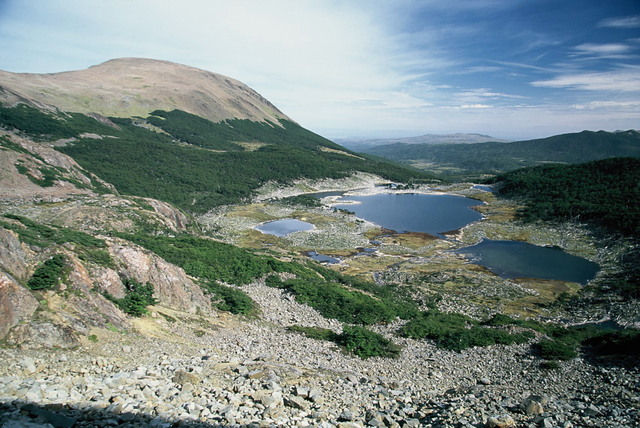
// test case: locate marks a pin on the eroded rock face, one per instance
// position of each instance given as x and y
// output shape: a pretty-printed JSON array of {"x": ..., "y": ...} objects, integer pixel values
[
  {"x": 12, "y": 255},
  {"x": 16, "y": 303},
  {"x": 173, "y": 217},
  {"x": 88, "y": 307},
  {"x": 172, "y": 286}
]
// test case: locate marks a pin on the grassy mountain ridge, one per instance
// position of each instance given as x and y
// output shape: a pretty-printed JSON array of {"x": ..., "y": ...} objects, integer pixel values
[{"x": 493, "y": 158}]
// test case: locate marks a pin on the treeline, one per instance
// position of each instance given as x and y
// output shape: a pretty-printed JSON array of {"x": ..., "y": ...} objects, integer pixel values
[{"x": 603, "y": 193}]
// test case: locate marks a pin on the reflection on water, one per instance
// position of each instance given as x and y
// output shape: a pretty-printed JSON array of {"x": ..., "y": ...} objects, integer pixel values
[
  {"x": 512, "y": 259},
  {"x": 284, "y": 227},
  {"x": 412, "y": 212}
]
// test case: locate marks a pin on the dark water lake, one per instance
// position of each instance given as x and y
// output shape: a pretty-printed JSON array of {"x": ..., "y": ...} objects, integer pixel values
[
  {"x": 322, "y": 258},
  {"x": 412, "y": 212},
  {"x": 284, "y": 227},
  {"x": 512, "y": 259}
]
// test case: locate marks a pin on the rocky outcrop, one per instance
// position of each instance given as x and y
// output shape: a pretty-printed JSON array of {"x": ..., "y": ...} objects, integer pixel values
[
  {"x": 16, "y": 303},
  {"x": 13, "y": 257},
  {"x": 172, "y": 286},
  {"x": 43, "y": 334}
]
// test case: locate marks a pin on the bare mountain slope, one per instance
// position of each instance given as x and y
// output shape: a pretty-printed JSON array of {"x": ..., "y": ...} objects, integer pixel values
[{"x": 128, "y": 87}]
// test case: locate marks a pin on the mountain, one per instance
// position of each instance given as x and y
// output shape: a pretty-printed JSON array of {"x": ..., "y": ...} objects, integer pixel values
[
  {"x": 129, "y": 87},
  {"x": 476, "y": 160},
  {"x": 364, "y": 145},
  {"x": 99, "y": 166},
  {"x": 171, "y": 132}
]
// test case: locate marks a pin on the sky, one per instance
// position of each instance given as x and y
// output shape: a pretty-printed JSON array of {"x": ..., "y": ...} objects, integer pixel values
[{"x": 512, "y": 69}]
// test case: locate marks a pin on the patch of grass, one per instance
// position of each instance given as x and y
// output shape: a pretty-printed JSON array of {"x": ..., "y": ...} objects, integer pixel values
[{"x": 92, "y": 338}]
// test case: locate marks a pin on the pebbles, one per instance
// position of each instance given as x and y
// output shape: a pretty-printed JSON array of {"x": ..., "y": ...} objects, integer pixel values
[{"x": 254, "y": 373}]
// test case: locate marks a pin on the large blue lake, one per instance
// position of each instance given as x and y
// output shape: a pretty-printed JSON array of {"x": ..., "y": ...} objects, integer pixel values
[
  {"x": 511, "y": 259},
  {"x": 411, "y": 212}
]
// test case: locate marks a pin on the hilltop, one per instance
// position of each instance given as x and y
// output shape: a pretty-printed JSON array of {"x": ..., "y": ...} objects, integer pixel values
[
  {"x": 127, "y": 87},
  {"x": 172, "y": 132}
]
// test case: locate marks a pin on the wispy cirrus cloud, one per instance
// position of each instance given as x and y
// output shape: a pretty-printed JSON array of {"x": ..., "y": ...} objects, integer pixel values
[
  {"x": 621, "y": 22},
  {"x": 623, "y": 80},
  {"x": 603, "y": 50}
]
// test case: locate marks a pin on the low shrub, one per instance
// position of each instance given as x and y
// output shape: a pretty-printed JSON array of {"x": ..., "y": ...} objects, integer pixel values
[
  {"x": 365, "y": 343},
  {"x": 618, "y": 343},
  {"x": 138, "y": 297},
  {"x": 48, "y": 274},
  {"x": 457, "y": 332},
  {"x": 315, "y": 332},
  {"x": 230, "y": 299},
  {"x": 335, "y": 301},
  {"x": 557, "y": 350}
]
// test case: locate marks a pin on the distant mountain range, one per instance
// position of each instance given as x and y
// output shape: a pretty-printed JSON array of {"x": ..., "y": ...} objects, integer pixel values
[
  {"x": 488, "y": 158},
  {"x": 364, "y": 145}
]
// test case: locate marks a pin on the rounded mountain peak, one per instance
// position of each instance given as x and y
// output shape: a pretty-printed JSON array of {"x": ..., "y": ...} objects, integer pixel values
[{"x": 126, "y": 87}]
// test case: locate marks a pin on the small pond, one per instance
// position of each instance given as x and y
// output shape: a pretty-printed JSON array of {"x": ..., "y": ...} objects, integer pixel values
[
  {"x": 284, "y": 227},
  {"x": 512, "y": 259},
  {"x": 322, "y": 258},
  {"x": 413, "y": 212}
]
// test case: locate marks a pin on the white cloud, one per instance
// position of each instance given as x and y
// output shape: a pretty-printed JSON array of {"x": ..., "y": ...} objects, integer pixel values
[
  {"x": 624, "y": 80},
  {"x": 611, "y": 50},
  {"x": 621, "y": 22}
]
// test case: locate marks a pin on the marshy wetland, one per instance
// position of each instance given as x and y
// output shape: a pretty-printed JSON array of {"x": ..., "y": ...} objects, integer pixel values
[{"x": 431, "y": 264}]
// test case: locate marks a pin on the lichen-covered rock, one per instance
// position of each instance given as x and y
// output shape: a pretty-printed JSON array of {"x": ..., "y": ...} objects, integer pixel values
[{"x": 16, "y": 303}]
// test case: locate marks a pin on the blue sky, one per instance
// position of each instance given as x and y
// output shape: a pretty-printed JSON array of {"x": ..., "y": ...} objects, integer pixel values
[{"x": 512, "y": 69}]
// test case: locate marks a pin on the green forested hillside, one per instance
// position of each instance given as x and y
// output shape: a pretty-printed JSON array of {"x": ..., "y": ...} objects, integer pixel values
[
  {"x": 195, "y": 164},
  {"x": 492, "y": 158},
  {"x": 604, "y": 193}
]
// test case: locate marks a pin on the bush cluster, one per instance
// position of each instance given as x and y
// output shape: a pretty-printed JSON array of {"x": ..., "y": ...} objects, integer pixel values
[
  {"x": 138, "y": 297},
  {"x": 230, "y": 299},
  {"x": 49, "y": 274},
  {"x": 457, "y": 332},
  {"x": 357, "y": 340}
]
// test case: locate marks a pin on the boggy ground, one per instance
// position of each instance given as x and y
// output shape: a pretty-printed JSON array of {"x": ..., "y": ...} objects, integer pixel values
[{"x": 424, "y": 261}]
